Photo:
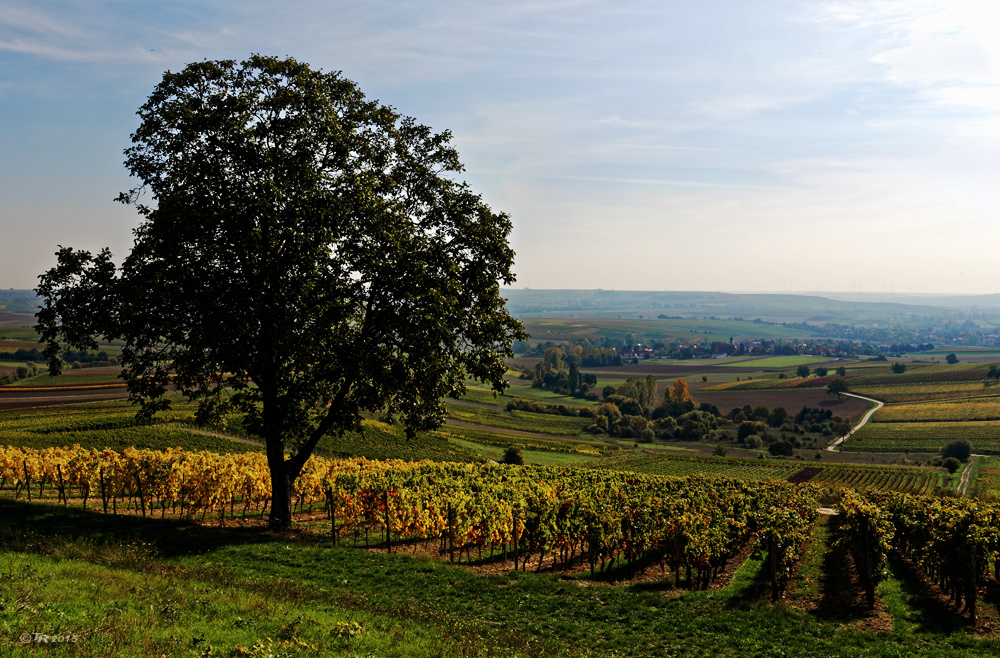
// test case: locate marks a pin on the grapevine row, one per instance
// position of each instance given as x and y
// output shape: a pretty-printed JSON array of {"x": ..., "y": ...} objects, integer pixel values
[
  {"x": 954, "y": 541},
  {"x": 188, "y": 482},
  {"x": 693, "y": 525}
]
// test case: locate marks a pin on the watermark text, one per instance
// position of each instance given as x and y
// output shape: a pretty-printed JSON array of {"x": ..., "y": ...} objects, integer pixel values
[{"x": 43, "y": 638}]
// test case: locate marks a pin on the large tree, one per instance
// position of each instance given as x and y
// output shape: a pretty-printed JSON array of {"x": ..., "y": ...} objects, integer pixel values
[{"x": 305, "y": 256}]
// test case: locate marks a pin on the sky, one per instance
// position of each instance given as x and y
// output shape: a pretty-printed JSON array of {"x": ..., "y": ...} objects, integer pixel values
[{"x": 734, "y": 145}]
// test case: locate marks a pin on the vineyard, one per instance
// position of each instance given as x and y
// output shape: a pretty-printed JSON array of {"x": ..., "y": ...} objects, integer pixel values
[
  {"x": 528, "y": 514},
  {"x": 916, "y": 374},
  {"x": 925, "y": 391},
  {"x": 954, "y": 542},
  {"x": 877, "y": 478},
  {"x": 987, "y": 408},
  {"x": 924, "y": 437},
  {"x": 988, "y": 479},
  {"x": 678, "y": 532},
  {"x": 684, "y": 465},
  {"x": 883, "y": 478}
]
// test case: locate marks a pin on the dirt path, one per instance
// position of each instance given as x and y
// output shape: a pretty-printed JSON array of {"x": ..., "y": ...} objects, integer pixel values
[
  {"x": 864, "y": 419},
  {"x": 963, "y": 482}
]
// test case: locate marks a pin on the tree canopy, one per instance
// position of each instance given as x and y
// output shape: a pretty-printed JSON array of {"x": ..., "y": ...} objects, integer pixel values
[
  {"x": 305, "y": 256},
  {"x": 837, "y": 387}
]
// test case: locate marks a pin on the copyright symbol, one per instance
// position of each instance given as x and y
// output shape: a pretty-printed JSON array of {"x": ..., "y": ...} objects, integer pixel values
[{"x": 25, "y": 638}]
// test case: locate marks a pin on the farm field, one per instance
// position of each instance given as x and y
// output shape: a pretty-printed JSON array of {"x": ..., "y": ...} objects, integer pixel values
[
  {"x": 932, "y": 403},
  {"x": 968, "y": 354},
  {"x": 987, "y": 408},
  {"x": 883, "y": 478},
  {"x": 542, "y": 329},
  {"x": 988, "y": 478},
  {"x": 583, "y": 447},
  {"x": 917, "y": 392},
  {"x": 921, "y": 373},
  {"x": 518, "y": 420},
  {"x": 792, "y": 400},
  {"x": 86, "y": 377},
  {"x": 361, "y": 599},
  {"x": 925, "y": 436},
  {"x": 771, "y": 362},
  {"x": 533, "y": 457}
]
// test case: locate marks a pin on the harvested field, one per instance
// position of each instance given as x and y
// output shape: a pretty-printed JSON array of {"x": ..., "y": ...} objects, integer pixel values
[
  {"x": 792, "y": 400},
  {"x": 16, "y": 320},
  {"x": 12, "y": 398}
]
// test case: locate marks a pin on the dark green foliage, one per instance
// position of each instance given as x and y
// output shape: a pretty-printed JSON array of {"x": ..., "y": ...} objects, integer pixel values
[
  {"x": 821, "y": 371},
  {"x": 951, "y": 358},
  {"x": 898, "y": 368},
  {"x": 960, "y": 450},
  {"x": 781, "y": 448},
  {"x": 952, "y": 464},
  {"x": 563, "y": 376},
  {"x": 837, "y": 387},
  {"x": 521, "y": 404},
  {"x": 305, "y": 256},
  {"x": 777, "y": 417},
  {"x": 802, "y": 371},
  {"x": 512, "y": 455}
]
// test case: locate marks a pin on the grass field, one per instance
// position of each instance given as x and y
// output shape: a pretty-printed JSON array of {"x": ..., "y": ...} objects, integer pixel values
[
  {"x": 130, "y": 587},
  {"x": 518, "y": 420},
  {"x": 532, "y": 457},
  {"x": 521, "y": 388}
]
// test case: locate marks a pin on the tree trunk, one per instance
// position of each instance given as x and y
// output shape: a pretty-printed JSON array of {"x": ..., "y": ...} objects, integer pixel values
[{"x": 280, "y": 517}]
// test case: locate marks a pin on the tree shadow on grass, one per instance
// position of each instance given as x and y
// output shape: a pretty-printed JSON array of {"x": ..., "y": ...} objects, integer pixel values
[
  {"x": 751, "y": 586},
  {"x": 928, "y": 612},
  {"x": 27, "y": 526},
  {"x": 842, "y": 596}
]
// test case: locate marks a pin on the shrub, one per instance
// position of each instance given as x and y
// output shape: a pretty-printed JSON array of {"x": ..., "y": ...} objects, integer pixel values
[
  {"x": 513, "y": 456},
  {"x": 746, "y": 430},
  {"x": 779, "y": 448},
  {"x": 960, "y": 450},
  {"x": 951, "y": 464}
]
